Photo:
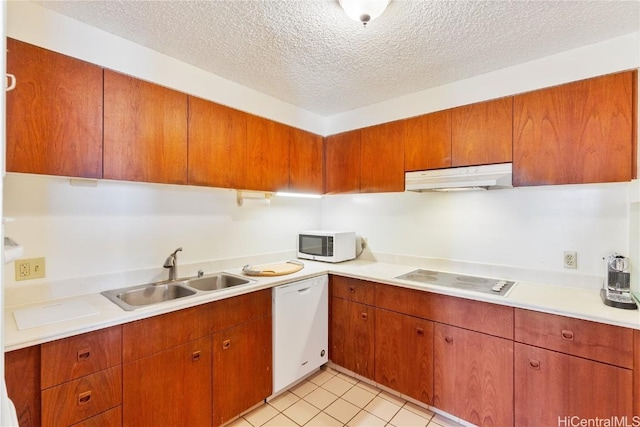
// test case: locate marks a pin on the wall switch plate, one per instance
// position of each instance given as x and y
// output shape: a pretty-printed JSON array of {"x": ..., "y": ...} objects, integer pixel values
[
  {"x": 570, "y": 259},
  {"x": 30, "y": 268}
]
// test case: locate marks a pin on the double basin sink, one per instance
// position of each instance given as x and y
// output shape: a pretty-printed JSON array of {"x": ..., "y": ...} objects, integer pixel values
[{"x": 135, "y": 297}]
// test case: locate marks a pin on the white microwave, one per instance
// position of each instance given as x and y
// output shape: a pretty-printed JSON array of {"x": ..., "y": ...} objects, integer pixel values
[{"x": 327, "y": 246}]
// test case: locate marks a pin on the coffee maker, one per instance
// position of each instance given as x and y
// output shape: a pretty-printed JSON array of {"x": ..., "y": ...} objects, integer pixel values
[{"x": 616, "y": 289}]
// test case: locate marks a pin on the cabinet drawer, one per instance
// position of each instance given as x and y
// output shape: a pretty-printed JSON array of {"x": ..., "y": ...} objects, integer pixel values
[
  {"x": 110, "y": 418},
  {"x": 352, "y": 289},
  {"x": 492, "y": 319},
  {"x": 591, "y": 340},
  {"x": 70, "y": 358},
  {"x": 83, "y": 398}
]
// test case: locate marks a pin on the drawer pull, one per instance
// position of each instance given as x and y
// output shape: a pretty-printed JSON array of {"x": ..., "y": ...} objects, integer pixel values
[
  {"x": 84, "y": 354},
  {"x": 195, "y": 356},
  {"x": 352, "y": 288},
  {"x": 534, "y": 364},
  {"x": 226, "y": 344},
  {"x": 84, "y": 398},
  {"x": 567, "y": 335},
  {"x": 448, "y": 340},
  {"x": 420, "y": 331},
  {"x": 364, "y": 316}
]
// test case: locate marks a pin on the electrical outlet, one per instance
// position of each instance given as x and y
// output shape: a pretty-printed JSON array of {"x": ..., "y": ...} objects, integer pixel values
[
  {"x": 31, "y": 268},
  {"x": 570, "y": 259}
]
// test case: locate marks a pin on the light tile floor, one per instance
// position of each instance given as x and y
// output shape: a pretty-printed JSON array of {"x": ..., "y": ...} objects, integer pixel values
[{"x": 330, "y": 398}]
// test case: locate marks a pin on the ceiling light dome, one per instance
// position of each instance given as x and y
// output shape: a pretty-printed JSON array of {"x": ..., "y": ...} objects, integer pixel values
[{"x": 364, "y": 11}]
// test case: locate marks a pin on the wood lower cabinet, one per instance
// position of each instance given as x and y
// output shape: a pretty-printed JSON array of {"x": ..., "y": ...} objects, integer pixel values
[
  {"x": 576, "y": 133},
  {"x": 145, "y": 131},
  {"x": 404, "y": 354},
  {"x": 242, "y": 368},
  {"x": 54, "y": 115},
  {"x": 473, "y": 376},
  {"x": 342, "y": 163},
  {"x": 352, "y": 336},
  {"x": 22, "y": 375},
  {"x": 83, "y": 398},
  {"x": 169, "y": 388},
  {"x": 552, "y": 386},
  {"x": 217, "y": 145}
]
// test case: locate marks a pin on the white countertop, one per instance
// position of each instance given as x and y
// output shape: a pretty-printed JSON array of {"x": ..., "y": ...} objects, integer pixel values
[{"x": 568, "y": 301}]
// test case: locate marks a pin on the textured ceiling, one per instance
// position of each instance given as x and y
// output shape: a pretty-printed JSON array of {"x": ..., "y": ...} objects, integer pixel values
[{"x": 308, "y": 53}]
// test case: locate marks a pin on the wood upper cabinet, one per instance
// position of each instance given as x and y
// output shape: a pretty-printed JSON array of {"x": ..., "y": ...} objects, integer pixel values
[
  {"x": 217, "y": 145},
  {"x": 169, "y": 388},
  {"x": 306, "y": 162},
  {"x": 54, "y": 115},
  {"x": 473, "y": 376},
  {"x": 404, "y": 354},
  {"x": 351, "y": 329},
  {"x": 551, "y": 386},
  {"x": 242, "y": 375},
  {"x": 342, "y": 163},
  {"x": 145, "y": 131},
  {"x": 22, "y": 376},
  {"x": 428, "y": 142},
  {"x": 576, "y": 133},
  {"x": 481, "y": 133},
  {"x": 267, "y": 155},
  {"x": 382, "y": 158}
]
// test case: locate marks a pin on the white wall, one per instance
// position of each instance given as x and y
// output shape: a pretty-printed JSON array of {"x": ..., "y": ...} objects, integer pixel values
[
  {"x": 120, "y": 226},
  {"x": 526, "y": 228}
]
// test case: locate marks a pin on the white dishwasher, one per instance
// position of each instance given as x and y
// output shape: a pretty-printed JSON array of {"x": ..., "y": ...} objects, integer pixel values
[{"x": 300, "y": 329}]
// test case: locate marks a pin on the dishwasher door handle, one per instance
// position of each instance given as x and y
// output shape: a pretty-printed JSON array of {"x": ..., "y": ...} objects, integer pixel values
[{"x": 305, "y": 290}]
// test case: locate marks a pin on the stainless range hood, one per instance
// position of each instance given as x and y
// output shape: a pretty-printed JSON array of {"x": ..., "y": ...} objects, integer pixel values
[{"x": 463, "y": 178}]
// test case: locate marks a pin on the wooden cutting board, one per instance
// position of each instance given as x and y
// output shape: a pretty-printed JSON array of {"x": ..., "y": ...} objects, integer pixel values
[{"x": 276, "y": 269}]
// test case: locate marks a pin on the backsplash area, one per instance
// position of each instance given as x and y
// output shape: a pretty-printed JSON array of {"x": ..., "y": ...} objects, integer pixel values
[
  {"x": 131, "y": 227},
  {"x": 524, "y": 228},
  {"x": 122, "y": 226}
]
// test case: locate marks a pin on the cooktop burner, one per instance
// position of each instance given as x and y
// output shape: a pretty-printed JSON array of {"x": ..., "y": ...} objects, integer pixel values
[{"x": 457, "y": 281}]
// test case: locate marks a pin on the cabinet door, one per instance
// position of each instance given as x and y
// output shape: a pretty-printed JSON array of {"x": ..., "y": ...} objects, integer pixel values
[
  {"x": 54, "y": 115},
  {"x": 242, "y": 374},
  {"x": 404, "y": 354},
  {"x": 267, "y": 155},
  {"x": 22, "y": 375},
  {"x": 170, "y": 388},
  {"x": 342, "y": 167},
  {"x": 428, "y": 142},
  {"x": 145, "y": 131},
  {"x": 482, "y": 133},
  {"x": 636, "y": 372},
  {"x": 306, "y": 162},
  {"x": 552, "y": 386},
  {"x": 473, "y": 376},
  {"x": 382, "y": 158},
  {"x": 352, "y": 336},
  {"x": 576, "y": 133},
  {"x": 217, "y": 145}
]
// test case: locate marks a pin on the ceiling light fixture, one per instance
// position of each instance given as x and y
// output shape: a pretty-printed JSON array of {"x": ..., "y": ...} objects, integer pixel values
[{"x": 363, "y": 11}]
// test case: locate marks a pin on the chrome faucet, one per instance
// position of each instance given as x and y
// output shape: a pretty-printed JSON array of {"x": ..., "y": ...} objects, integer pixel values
[{"x": 172, "y": 264}]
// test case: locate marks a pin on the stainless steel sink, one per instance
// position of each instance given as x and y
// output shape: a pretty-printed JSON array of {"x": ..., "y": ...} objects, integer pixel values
[
  {"x": 215, "y": 282},
  {"x": 135, "y": 297}
]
